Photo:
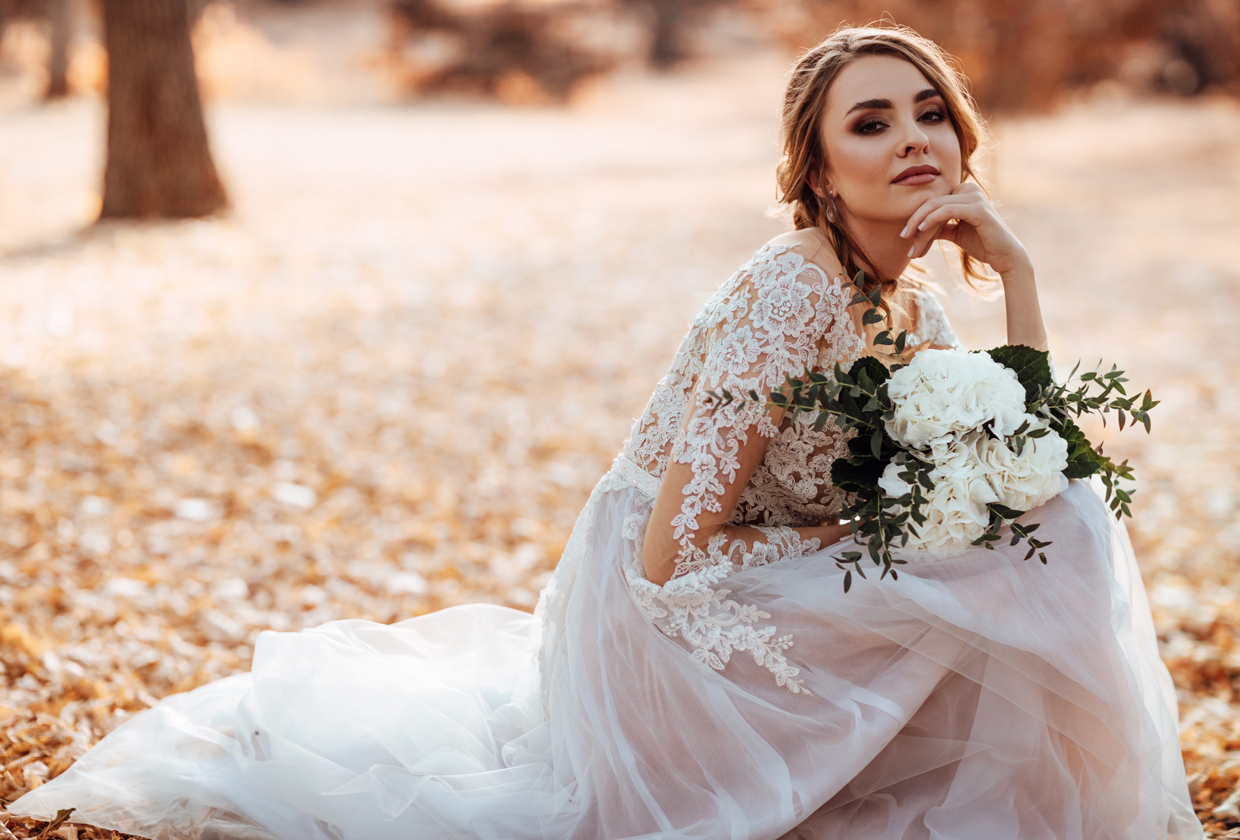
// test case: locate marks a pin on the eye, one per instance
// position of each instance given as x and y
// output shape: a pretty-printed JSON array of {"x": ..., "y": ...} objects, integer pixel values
[
  {"x": 869, "y": 126},
  {"x": 933, "y": 115}
]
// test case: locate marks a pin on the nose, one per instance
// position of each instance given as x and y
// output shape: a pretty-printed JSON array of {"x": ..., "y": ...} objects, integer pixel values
[{"x": 915, "y": 140}]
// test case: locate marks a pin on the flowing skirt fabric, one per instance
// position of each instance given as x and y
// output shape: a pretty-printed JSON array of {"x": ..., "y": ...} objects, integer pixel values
[{"x": 979, "y": 696}]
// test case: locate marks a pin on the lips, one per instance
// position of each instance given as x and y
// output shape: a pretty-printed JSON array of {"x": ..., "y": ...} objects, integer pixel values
[{"x": 915, "y": 175}]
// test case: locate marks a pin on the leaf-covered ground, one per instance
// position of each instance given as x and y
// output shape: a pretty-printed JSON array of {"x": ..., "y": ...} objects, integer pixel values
[{"x": 388, "y": 380}]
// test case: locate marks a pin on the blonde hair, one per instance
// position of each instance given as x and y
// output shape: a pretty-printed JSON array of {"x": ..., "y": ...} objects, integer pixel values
[{"x": 802, "y": 153}]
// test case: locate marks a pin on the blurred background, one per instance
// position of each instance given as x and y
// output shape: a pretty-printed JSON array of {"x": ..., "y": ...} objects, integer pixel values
[{"x": 322, "y": 309}]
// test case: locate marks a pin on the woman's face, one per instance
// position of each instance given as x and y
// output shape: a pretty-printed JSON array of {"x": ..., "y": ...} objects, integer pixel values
[{"x": 889, "y": 140}]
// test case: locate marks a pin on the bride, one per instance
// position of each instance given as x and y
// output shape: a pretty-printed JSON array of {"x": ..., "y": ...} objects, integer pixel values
[{"x": 695, "y": 669}]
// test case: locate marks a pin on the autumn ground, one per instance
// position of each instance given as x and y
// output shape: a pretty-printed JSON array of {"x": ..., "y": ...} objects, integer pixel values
[{"x": 388, "y": 380}]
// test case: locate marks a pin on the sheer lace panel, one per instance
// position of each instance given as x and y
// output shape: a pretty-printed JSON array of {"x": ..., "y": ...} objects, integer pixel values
[{"x": 771, "y": 324}]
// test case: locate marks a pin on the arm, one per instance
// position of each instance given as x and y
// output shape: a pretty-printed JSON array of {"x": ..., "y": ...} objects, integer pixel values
[
  {"x": 774, "y": 320},
  {"x": 663, "y": 551},
  {"x": 1024, "y": 312},
  {"x": 967, "y": 218}
]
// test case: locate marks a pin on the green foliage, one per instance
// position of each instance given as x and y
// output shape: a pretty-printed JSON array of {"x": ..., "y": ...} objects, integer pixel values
[
  {"x": 1032, "y": 367},
  {"x": 857, "y": 401},
  {"x": 1083, "y": 459}
]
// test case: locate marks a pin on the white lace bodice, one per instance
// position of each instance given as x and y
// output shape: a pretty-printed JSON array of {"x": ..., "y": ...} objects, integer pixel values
[{"x": 778, "y": 315}]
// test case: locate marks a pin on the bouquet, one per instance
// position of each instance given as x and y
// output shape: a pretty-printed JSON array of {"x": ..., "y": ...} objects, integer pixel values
[{"x": 949, "y": 447}]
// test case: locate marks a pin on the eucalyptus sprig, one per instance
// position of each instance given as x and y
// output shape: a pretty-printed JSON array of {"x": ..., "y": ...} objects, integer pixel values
[{"x": 856, "y": 400}]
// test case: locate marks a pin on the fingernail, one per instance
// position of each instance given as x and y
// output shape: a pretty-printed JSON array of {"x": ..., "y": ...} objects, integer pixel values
[
  {"x": 904, "y": 232},
  {"x": 921, "y": 226},
  {"x": 911, "y": 250}
]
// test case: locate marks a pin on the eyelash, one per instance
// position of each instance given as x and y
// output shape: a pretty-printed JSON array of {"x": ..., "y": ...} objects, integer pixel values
[{"x": 873, "y": 126}]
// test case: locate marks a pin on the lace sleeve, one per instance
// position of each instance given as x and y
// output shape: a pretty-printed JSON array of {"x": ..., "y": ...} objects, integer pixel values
[{"x": 768, "y": 327}]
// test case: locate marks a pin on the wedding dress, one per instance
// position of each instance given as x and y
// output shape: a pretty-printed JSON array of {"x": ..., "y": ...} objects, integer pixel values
[{"x": 978, "y": 696}]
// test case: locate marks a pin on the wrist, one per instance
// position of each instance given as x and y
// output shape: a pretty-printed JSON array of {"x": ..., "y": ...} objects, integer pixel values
[
  {"x": 1019, "y": 269},
  {"x": 830, "y": 534}
]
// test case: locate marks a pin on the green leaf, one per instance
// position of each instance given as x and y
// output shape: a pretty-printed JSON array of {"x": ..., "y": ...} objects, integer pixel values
[
  {"x": 1083, "y": 460},
  {"x": 874, "y": 369},
  {"x": 857, "y": 478},
  {"x": 1006, "y": 512},
  {"x": 1032, "y": 367},
  {"x": 871, "y": 316},
  {"x": 847, "y": 581}
]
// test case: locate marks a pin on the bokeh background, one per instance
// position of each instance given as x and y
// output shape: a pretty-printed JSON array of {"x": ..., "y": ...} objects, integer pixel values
[{"x": 349, "y": 324}]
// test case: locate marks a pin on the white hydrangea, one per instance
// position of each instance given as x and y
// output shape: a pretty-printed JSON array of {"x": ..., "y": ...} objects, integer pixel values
[
  {"x": 1028, "y": 480},
  {"x": 955, "y": 512},
  {"x": 891, "y": 483},
  {"x": 942, "y": 393},
  {"x": 971, "y": 469},
  {"x": 956, "y": 508}
]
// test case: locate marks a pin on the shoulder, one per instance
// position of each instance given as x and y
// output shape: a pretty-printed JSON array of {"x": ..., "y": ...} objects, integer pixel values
[
  {"x": 787, "y": 290},
  {"x": 813, "y": 249}
]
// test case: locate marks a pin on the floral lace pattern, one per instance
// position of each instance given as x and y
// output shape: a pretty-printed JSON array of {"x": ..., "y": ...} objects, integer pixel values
[
  {"x": 713, "y": 623},
  {"x": 932, "y": 323},
  {"x": 778, "y": 315}
]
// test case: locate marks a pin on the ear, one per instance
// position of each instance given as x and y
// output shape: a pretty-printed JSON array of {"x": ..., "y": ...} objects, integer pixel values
[{"x": 814, "y": 180}]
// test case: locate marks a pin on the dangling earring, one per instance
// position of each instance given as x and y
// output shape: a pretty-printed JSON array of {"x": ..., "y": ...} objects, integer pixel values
[{"x": 833, "y": 213}]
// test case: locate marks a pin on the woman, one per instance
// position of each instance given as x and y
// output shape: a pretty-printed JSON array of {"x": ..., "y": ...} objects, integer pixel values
[{"x": 695, "y": 669}]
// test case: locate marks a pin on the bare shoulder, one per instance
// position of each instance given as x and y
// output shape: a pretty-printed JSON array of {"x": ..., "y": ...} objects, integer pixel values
[{"x": 813, "y": 247}]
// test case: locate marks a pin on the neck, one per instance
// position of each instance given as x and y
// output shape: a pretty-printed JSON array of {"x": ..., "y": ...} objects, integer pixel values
[{"x": 881, "y": 242}]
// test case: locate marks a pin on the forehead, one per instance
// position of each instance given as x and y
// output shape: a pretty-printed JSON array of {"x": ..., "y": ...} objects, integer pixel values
[{"x": 875, "y": 77}]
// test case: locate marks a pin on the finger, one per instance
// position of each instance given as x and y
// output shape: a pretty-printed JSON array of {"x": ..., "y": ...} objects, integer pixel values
[
  {"x": 930, "y": 227},
  {"x": 948, "y": 231},
  {"x": 934, "y": 222},
  {"x": 925, "y": 248},
  {"x": 917, "y": 220}
]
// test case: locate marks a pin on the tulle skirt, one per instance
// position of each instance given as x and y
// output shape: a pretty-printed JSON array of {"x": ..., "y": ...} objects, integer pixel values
[{"x": 979, "y": 696}]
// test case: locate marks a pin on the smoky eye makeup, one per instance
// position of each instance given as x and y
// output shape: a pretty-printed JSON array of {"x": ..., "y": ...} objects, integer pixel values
[
  {"x": 868, "y": 125},
  {"x": 934, "y": 111}
]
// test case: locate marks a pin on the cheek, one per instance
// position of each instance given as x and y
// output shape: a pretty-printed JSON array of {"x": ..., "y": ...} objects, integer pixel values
[
  {"x": 947, "y": 145},
  {"x": 859, "y": 165}
]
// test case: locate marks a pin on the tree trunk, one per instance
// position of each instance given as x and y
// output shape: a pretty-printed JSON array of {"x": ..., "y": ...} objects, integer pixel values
[
  {"x": 158, "y": 160},
  {"x": 665, "y": 48},
  {"x": 61, "y": 20}
]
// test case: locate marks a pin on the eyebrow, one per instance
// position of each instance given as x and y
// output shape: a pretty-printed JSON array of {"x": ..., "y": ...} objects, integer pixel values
[{"x": 883, "y": 104}]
